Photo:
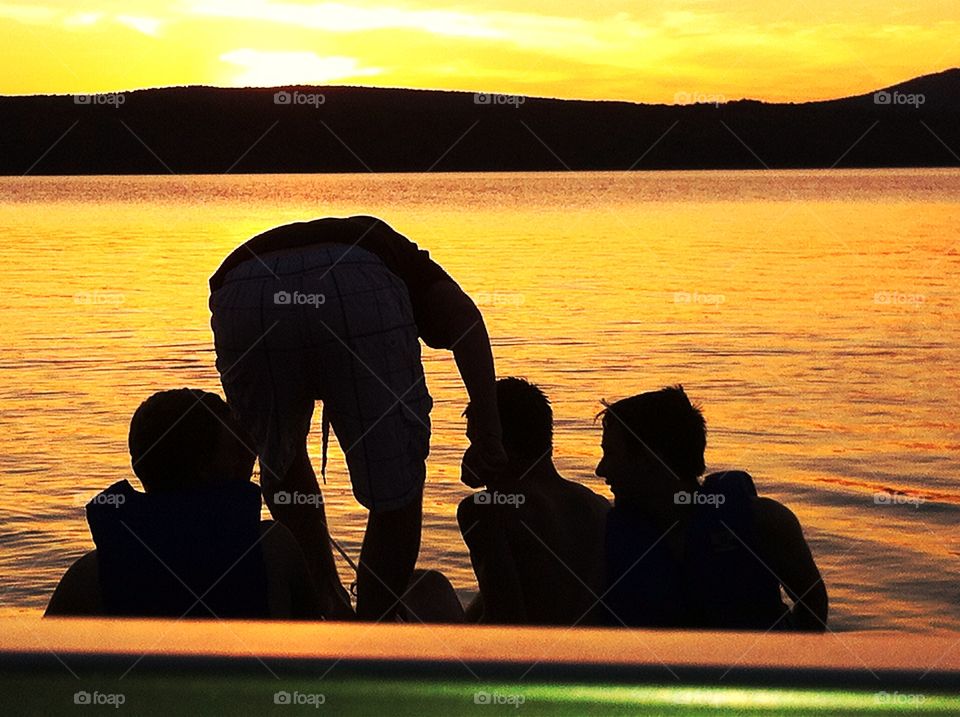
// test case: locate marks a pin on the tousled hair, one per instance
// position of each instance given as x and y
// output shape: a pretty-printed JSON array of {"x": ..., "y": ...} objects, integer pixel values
[
  {"x": 526, "y": 419},
  {"x": 663, "y": 423}
]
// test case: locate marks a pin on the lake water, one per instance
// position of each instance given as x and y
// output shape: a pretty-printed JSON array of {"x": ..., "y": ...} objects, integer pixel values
[{"x": 813, "y": 314}]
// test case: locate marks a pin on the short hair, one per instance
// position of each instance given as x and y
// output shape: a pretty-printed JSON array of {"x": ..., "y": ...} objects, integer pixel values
[
  {"x": 175, "y": 435},
  {"x": 666, "y": 424},
  {"x": 526, "y": 419}
]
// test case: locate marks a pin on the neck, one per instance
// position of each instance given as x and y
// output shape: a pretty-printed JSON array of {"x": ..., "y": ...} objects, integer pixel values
[
  {"x": 543, "y": 471},
  {"x": 519, "y": 475},
  {"x": 661, "y": 508}
]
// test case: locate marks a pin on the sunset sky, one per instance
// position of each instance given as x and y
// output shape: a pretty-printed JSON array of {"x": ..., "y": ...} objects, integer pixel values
[{"x": 651, "y": 51}]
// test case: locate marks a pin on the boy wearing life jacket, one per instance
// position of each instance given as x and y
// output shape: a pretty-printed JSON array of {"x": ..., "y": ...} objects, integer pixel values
[
  {"x": 192, "y": 545},
  {"x": 684, "y": 554},
  {"x": 535, "y": 538}
]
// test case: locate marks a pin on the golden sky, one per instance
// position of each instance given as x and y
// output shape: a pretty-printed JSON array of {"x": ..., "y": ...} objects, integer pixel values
[{"x": 611, "y": 49}]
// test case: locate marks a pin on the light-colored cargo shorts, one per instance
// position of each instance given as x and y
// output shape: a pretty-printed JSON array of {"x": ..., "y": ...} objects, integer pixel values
[{"x": 331, "y": 323}]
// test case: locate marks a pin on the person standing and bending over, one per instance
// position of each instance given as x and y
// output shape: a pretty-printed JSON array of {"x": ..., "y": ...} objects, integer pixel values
[{"x": 333, "y": 310}]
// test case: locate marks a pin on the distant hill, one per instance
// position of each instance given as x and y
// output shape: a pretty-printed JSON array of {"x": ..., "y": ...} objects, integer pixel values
[{"x": 356, "y": 129}]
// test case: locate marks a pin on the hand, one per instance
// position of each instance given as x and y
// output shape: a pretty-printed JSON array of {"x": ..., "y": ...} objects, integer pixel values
[{"x": 483, "y": 461}]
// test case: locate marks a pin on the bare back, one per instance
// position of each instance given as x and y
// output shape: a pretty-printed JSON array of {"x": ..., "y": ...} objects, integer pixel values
[{"x": 540, "y": 562}]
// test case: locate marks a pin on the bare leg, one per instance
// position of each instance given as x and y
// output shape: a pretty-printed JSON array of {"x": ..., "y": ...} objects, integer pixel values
[
  {"x": 473, "y": 613},
  {"x": 431, "y": 599},
  {"x": 390, "y": 548},
  {"x": 307, "y": 521}
]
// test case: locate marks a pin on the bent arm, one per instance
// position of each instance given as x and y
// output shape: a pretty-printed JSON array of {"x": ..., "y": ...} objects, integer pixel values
[
  {"x": 292, "y": 594},
  {"x": 493, "y": 563},
  {"x": 78, "y": 592},
  {"x": 789, "y": 556}
]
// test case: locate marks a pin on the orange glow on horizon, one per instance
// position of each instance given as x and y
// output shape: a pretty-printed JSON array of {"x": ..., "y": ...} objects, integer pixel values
[{"x": 613, "y": 50}]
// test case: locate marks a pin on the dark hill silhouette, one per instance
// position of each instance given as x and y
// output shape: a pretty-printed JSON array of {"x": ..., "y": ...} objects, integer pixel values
[{"x": 355, "y": 129}]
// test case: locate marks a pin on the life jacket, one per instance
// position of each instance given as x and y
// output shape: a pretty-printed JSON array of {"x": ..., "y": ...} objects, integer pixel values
[
  {"x": 643, "y": 579},
  {"x": 725, "y": 583},
  {"x": 158, "y": 553},
  {"x": 719, "y": 583}
]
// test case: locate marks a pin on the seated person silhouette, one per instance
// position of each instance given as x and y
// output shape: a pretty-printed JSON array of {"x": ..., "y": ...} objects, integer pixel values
[
  {"x": 685, "y": 554},
  {"x": 192, "y": 545},
  {"x": 535, "y": 538}
]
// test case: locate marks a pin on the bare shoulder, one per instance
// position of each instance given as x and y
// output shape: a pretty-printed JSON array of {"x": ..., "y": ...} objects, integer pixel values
[
  {"x": 595, "y": 501},
  {"x": 78, "y": 592},
  {"x": 467, "y": 507},
  {"x": 86, "y": 565},
  {"x": 602, "y": 503},
  {"x": 470, "y": 512},
  {"x": 775, "y": 516},
  {"x": 780, "y": 527}
]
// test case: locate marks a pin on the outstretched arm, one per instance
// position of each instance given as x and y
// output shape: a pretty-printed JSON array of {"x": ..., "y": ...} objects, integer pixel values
[
  {"x": 461, "y": 321},
  {"x": 788, "y": 556}
]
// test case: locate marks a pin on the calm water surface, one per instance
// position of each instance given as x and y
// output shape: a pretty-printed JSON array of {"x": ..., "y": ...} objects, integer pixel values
[{"x": 814, "y": 315}]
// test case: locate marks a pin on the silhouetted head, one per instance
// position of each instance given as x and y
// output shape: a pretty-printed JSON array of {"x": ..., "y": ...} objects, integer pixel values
[
  {"x": 653, "y": 445},
  {"x": 185, "y": 439},
  {"x": 526, "y": 420}
]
